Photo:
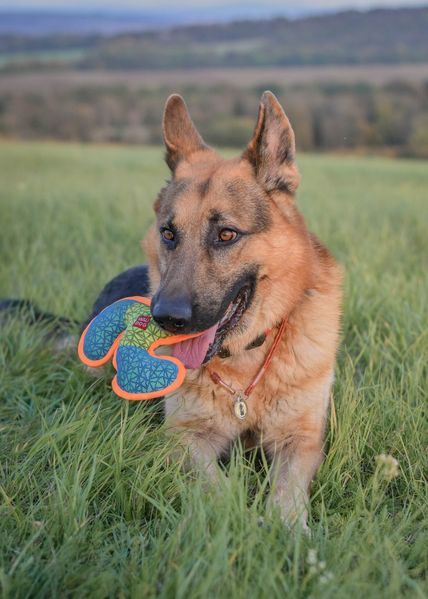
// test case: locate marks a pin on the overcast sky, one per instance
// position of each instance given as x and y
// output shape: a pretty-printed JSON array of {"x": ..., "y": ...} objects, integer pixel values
[{"x": 281, "y": 5}]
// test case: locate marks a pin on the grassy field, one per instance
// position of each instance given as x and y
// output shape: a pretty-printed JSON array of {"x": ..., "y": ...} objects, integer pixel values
[
  {"x": 374, "y": 74},
  {"x": 89, "y": 506},
  {"x": 15, "y": 58}
]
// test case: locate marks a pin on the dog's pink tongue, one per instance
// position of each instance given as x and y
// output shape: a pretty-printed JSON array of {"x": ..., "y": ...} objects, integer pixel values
[{"x": 193, "y": 351}]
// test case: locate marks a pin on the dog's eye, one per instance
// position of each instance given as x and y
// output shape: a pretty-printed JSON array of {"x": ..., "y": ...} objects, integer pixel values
[
  {"x": 226, "y": 235},
  {"x": 168, "y": 235}
]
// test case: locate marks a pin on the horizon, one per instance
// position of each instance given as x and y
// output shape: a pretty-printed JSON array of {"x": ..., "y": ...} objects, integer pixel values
[
  {"x": 45, "y": 17},
  {"x": 274, "y": 6}
]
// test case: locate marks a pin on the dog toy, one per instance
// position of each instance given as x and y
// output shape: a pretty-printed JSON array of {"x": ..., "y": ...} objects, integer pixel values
[{"x": 126, "y": 332}]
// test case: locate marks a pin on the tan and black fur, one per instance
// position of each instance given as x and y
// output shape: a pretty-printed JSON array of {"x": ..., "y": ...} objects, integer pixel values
[{"x": 292, "y": 275}]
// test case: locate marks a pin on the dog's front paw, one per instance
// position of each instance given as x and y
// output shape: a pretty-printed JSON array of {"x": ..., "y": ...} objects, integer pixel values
[{"x": 292, "y": 510}]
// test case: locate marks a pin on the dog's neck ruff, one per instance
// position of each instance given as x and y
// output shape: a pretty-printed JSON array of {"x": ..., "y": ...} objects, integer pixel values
[{"x": 241, "y": 399}]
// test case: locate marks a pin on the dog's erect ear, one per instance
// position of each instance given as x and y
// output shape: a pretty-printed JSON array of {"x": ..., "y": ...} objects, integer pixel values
[
  {"x": 179, "y": 133},
  {"x": 272, "y": 149}
]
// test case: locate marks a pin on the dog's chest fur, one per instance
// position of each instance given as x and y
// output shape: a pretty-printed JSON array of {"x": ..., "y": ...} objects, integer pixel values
[{"x": 290, "y": 400}]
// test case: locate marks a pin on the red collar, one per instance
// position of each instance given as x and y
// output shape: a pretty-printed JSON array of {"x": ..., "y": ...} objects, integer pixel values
[{"x": 219, "y": 381}]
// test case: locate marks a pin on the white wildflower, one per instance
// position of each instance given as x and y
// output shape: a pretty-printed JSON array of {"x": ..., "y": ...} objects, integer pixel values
[
  {"x": 317, "y": 568},
  {"x": 312, "y": 557},
  {"x": 388, "y": 466},
  {"x": 326, "y": 577}
]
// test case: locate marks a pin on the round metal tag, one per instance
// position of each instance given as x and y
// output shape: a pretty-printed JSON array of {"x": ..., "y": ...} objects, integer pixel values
[{"x": 240, "y": 408}]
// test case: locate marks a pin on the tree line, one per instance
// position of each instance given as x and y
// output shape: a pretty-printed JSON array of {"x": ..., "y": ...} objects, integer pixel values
[{"x": 392, "y": 118}]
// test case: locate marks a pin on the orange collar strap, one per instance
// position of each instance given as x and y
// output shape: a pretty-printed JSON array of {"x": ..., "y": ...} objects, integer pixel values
[{"x": 262, "y": 370}]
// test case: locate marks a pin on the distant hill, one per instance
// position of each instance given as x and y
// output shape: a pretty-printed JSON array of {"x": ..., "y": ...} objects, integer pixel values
[
  {"x": 42, "y": 23},
  {"x": 109, "y": 22},
  {"x": 351, "y": 37}
]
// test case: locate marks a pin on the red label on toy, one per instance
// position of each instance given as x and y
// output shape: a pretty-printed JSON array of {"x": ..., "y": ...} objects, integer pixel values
[{"x": 142, "y": 322}]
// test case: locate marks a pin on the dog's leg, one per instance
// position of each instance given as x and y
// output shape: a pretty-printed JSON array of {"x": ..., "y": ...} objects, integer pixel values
[
  {"x": 203, "y": 454},
  {"x": 295, "y": 445},
  {"x": 201, "y": 440},
  {"x": 293, "y": 468},
  {"x": 199, "y": 450}
]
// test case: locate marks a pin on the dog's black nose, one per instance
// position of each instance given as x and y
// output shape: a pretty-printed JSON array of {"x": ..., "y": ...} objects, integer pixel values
[{"x": 171, "y": 313}]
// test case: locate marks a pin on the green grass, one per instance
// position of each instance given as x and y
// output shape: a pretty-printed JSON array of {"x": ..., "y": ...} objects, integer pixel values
[
  {"x": 90, "y": 507},
  {"x": 12, "y": 59}
]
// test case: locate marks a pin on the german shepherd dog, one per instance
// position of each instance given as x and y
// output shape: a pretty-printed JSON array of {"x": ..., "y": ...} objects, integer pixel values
[{"x": 230, "y": 255}]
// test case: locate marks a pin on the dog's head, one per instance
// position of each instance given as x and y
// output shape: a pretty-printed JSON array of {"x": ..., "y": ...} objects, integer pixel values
[{"x": 228, "y": 252}]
